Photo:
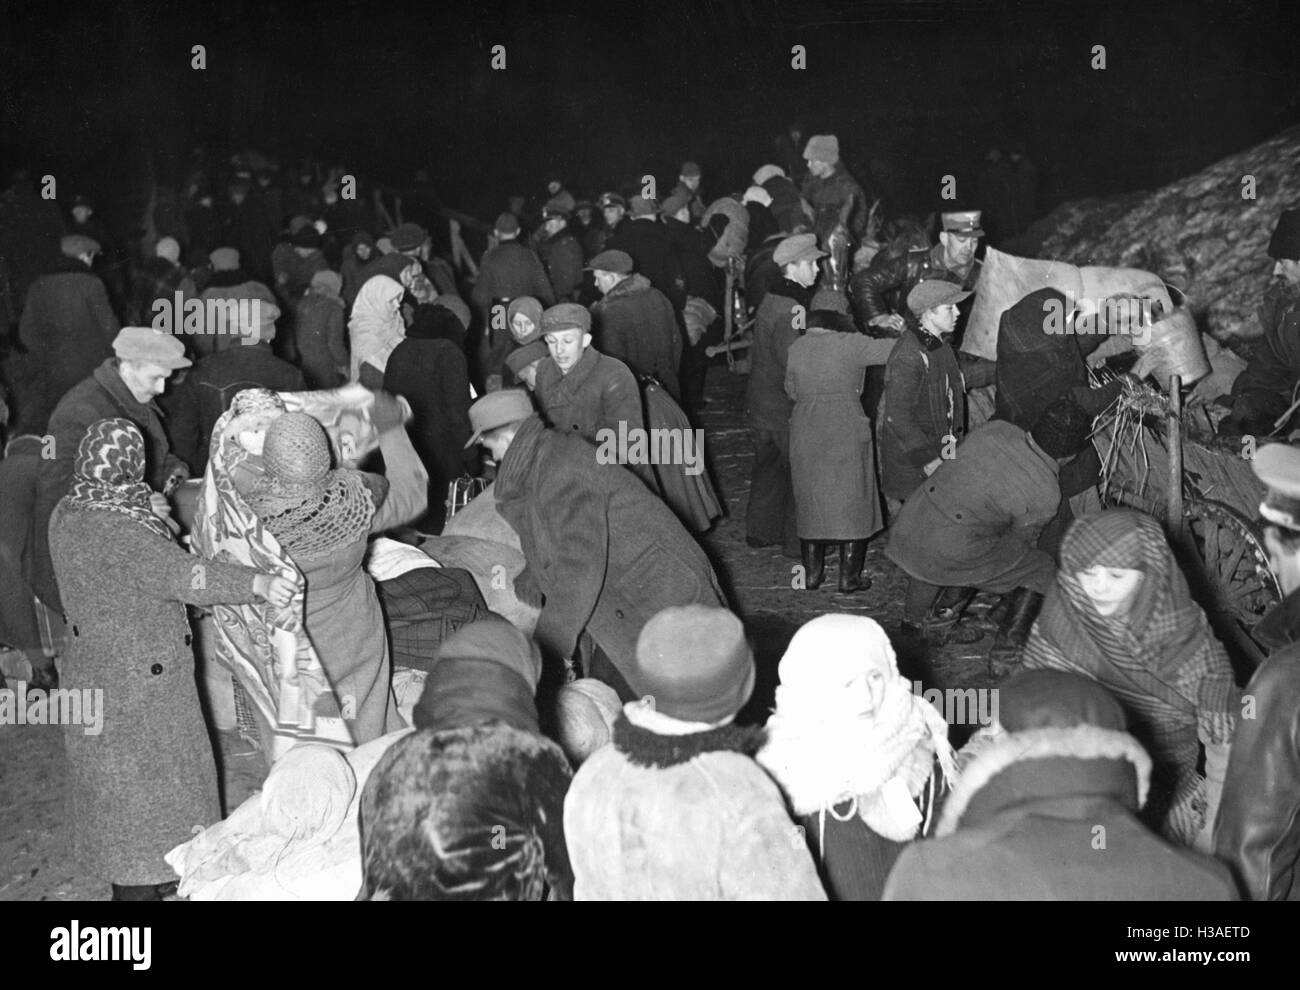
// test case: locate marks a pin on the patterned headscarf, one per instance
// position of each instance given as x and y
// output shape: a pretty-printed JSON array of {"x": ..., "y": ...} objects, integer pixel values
[
  {"x": 1158, "y": 656},
  {"x": 108, "y": 474}
]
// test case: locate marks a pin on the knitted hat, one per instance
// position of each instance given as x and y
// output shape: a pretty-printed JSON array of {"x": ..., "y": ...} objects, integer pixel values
[
  {"x": 407, "y": 237},
  {"x": 521, "y": 357},
  {"x": 1063, "y": 429},
  {"x": 224, "y": 259},
  {"x": 456, "y": 305},
  {"x": 532, "y": 309},
  {"x": 676, "y": 201},
  {"x": 823, "y": 148},
  {"x": 757, "y": 194},
  {"x": 1285, "y": 242},
  {"x": 612, "y": 261},
  {"x": 566, "y": 316},
  {"x": 643, "y": 207},
  {"x": 689, "y": 170},
  {"x": 694, "y": 662},
  {"x": 768, "y": 172},
  {"x": 75, "y": 245},
  {"x": 507, "y": 223},
  {"x": 296, "y": 458},
  {"x": 148, "y": 344},
  {"x": 169, "y": 248}
]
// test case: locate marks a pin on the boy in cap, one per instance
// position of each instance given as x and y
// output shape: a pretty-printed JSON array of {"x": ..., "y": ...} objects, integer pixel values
[
  {"x": 1258, "y": 830},
  {"x": 831, "y": 191},
  {"x": 1263, "y": 392},
  {"x": 122, "y": 387},
  {"x": 604, "y": 553},
  {"x": 951, "y": 260},
  {"x": 923, "y": 411},
  {"x": 781, "y": 319},
  {"x": 634, "y": 321},
  {"x": 677, "y": 808}
]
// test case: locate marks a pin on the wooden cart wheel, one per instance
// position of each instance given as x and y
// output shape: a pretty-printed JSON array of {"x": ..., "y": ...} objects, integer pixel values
[{"x": 1238, "y": 584}]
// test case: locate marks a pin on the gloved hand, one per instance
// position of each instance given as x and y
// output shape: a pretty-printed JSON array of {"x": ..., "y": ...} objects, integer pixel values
[{"x": 387, "y": 413}]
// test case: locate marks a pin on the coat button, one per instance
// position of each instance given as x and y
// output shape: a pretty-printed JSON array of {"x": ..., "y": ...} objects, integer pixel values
[
  {"x": 958, "y": 515},
  {"x": 156, "y": 669},
  {"x": 618, "y": 612},
  {"x": 76, "y": 631},
  {"x": 189, "y": 638},
  {"x": 930, "y": 489}
]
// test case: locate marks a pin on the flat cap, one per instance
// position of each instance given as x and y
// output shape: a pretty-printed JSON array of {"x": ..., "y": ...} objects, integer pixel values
[
  {"x": 148, "y": 344},
  {"x": 797, "y": 248},
  {"x": 500, "y": 408},
  {"x": 521, "y": 357},
  {"x": 612, "y": 261},
  {"x": 932, "y": 292},
  {"x": 407, "y": 237},
  {"x": 566, "y": 316}
]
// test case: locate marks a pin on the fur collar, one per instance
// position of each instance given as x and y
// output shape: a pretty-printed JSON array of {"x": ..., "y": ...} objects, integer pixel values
[
  {"x": 645, "y": 748},
  {"x": 1082, "y": 742}
]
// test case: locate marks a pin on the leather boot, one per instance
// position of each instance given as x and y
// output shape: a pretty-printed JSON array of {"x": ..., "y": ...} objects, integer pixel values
[
  {"x": 813, "y": 553},
  {"x": 1014, "y": 631},
  {"x": 942, "y": 624},
  {"x": 852, "y": 556}
]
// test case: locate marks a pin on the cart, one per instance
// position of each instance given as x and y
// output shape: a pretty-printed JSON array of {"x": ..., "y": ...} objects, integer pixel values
[{"x": 1171, "y": 463}]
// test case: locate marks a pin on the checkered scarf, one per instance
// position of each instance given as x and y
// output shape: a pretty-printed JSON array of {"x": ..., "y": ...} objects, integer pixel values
[
  {"x": 108, "y": 474},
  {"x": 1160, "y": 658}
]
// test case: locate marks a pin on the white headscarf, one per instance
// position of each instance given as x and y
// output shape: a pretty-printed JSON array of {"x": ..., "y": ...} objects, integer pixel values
[
  {"x": 376, "y": 325},
  {"x": 825, "y": 743}
]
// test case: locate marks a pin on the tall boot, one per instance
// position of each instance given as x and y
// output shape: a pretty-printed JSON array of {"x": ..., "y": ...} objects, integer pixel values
[
  {"x": 852, "y": 556},
  {"x": 813, "y": 553},
  {"x": 942, "y": 625},
  {"x": 1014, "y": 631}
]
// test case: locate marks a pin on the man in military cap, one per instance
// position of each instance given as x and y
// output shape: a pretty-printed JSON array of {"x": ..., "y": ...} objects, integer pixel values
[
  {"x": 951, "y": 260},
  {"x": 605, "y": 554},
  {"x": 781, "y": 320},
  {"x": 560, "y": 252},
  {"x": 1263, "y": 392},
  {"x": 1258, "y": 829},
  {"x": 123, "y": 386}
]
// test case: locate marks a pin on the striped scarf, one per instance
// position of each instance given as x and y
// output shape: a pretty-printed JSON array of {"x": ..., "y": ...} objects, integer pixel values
[
  {"x": 108, "y": 475},
  {"x": 1159, "y": 657}
]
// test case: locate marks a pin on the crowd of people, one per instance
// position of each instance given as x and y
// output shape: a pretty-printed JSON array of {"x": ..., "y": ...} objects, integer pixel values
[{"x": 598, "y": 755}]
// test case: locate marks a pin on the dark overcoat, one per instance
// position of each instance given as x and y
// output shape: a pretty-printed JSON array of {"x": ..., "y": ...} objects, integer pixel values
[{"x": 635, "y": 323}]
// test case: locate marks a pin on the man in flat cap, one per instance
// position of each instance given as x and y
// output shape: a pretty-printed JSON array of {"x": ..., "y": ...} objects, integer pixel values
[
  {"x": 1258, "y": 829},
  {"x": 122, "y": 387},
  {"x": 605, "y": 554},
  {"x": 67, "y": 329},
  {"x": 581, "y": 390},
  {"x": 561, "y": 253},
  {"x": 952, "y": 260},
  {"x": 834, "y": 195},
  {"x": 1263, "y": 392},
  {"x": 634, "y": 322},
  {"x": 781, "y": 320}
]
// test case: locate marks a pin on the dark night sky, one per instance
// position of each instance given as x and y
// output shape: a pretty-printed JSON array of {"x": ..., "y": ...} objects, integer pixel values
[{"x": 606, "y": 91}]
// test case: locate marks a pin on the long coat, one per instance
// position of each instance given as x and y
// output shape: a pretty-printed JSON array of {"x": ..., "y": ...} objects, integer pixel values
[
  {"x": 832, "y": 457},
  {"x": 101, "y": 396},
  {"x": 635, "y": 324},
  {"x": 508, "y": 271},
  {"x": 924, "y": 402},
  {"x": 975, "y": 521},
  {"x": 606, "y": 553},
  {"x": 321, "y": 335},
  {"x": 774, "y": 331},
  {"x": 67, "y": 328},
  {"x": 147, "y": 781}
]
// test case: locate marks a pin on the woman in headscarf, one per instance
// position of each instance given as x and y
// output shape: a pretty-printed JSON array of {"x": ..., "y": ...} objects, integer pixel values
[
  {"x": 322, "y": 519},
  {"x": 142, "y": 777},
  {"x": 375, "y": 329},
  {"x": 1121, "y": 613},
  {"x": 523, "y": 326},
  {"x": 358, "y": 255},
  {"x": 322, "y": 343},
  {"x": 854, "y": 750},
  {"x": 470, "y": 807},
  {"x": 428, "y": 369}
]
